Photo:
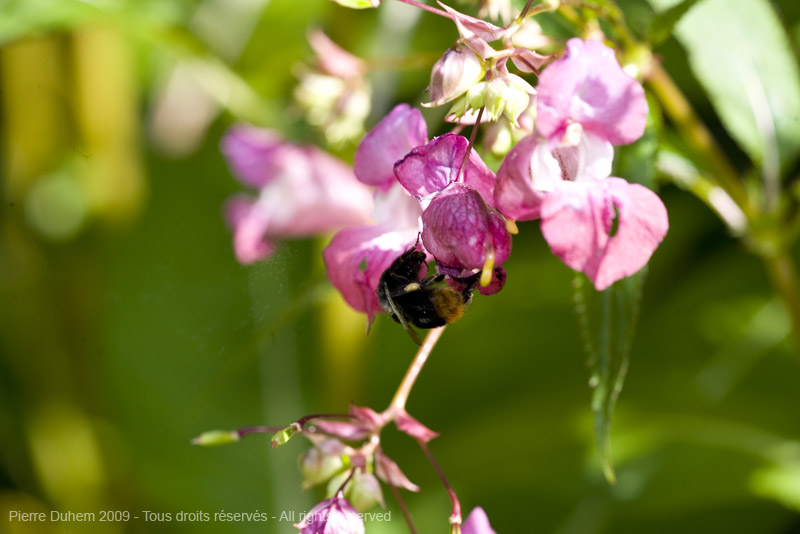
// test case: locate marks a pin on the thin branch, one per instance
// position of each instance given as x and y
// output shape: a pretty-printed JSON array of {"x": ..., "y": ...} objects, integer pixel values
[
  {"x": 472, "y": 135},
  {"x": 398, "y": 403},
  {"x": 403, "y": 509},
  {"x": 455, "y": 515}
]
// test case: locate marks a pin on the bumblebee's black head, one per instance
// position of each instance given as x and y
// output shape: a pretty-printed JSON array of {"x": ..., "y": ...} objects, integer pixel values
[{"x": 406, "y": 268}]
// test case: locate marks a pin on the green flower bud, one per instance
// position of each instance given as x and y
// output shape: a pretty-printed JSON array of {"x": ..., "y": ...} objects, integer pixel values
[
  {"x": 216, "y": 437},
  {"x": 317, "y": 467}
]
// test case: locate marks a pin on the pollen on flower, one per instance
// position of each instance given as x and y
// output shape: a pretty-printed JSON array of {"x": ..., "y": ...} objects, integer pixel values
[{"x": 488, "y": 268}]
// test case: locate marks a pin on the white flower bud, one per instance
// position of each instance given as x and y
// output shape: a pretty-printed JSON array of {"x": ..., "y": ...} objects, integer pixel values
[{"x": 453, "y": 75}]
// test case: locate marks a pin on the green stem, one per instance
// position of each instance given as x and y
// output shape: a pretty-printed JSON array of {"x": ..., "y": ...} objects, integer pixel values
[
  {"x": 689, "y": 125},
  {"x": 783, "y": 274}
]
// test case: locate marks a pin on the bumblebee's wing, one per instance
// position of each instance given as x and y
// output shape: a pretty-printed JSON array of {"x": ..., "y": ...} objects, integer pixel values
[{"x": 400, "y": 317}]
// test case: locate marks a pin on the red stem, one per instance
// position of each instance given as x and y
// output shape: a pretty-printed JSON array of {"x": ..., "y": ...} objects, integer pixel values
[{"x": 455, "y": 515}]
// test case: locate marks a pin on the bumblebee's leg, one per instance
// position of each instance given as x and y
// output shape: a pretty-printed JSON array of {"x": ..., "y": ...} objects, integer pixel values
[{"x": 400, "y": 318}]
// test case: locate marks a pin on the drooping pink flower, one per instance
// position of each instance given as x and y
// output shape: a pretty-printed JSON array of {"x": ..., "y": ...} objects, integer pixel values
[
  {"x": 303, "y": 192},
  {"x": 357, "y": 256},
  {"x": 332, "y": 516},
  {"x": 605, "y": 227},
  {"x": 477, "y": 523},
  {"x": 587, "y": 86},
  {"x": 461, "y": 228}
]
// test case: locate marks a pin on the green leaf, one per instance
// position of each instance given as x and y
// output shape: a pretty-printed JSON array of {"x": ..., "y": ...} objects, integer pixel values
[
  {"x": 741, "y": 54},
  {"x": 607, "y": 320}
]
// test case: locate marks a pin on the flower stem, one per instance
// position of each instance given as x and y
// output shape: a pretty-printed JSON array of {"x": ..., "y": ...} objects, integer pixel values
[
  {"x": 463, "y": 169},
  {"x": 455, "y": 515},
  {"x": 783, "y": 273},
  {"x": 398, "y": 404},
  {"x": 246, "y": 431},
  {"x": 427, "y": 8},
  {"x": 403, "y": 509}
]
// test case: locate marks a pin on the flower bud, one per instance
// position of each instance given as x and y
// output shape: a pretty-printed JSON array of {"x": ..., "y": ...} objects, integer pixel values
[
  {"x": 364, "y": 491},
  {"x": 495, "y": 98},
  {"x": 216, "y": 437},
  {"x": 453, "y": 74},
  {"x": 517, "y": 96},
  {"x": 317, "y": 467}
]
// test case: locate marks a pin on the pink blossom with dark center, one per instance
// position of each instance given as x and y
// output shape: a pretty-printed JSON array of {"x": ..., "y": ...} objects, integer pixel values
[
  {"x": 461, "y": 228},
  {"x": 303, "y": 192},
  {"x": 332, "y": 516},
  {"x": 357, "y": 256}
]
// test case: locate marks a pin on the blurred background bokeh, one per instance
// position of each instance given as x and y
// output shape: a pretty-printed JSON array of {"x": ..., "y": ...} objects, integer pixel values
[{"x": 128, "y": 327}]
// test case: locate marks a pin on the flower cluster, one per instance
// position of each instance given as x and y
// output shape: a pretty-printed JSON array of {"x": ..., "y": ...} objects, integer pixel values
[{"x": 410, "y": 195}]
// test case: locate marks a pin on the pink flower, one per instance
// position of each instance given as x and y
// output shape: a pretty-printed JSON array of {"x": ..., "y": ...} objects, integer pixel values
[
  {"x": 356, "y": 257},
  {"x": 303, "y": 192},
  {"x": 587, "y": 86},
  {"x": 461, "y": 228},
  {"x": 332, "y": 516},
  {"x": 477, "y": 523},
  {"x": 605, "y": 227}
]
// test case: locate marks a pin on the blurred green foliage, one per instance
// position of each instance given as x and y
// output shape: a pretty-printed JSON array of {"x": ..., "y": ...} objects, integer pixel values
[{"x": 128, "y": 327}]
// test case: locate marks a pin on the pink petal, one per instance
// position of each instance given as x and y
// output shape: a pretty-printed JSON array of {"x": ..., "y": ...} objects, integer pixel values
[
  {"x": 578, "y": 217},
  {"x": 477, "y": 523},
  {"x": 254, "y": 154},
  {"x": 388, "y": 471},
  {"x": 412, "y": 427},
  {"x": 333, "y": 59},
  {"x": 514, "y": 194},
  {"x": 431, "y": 168},
  {"x": 250, "y": 226},
  {"x": 528, "y": 60},
  {"x": 469, "y": 26},
  {"x": 391, "y": 139},
  {"x": 589, "y": 87},
  {"x": 531, "y": 170},
  {"x": 459, "y": 229},
  {"x": 368, "y": 417},
  {"x": 356, "y": 258},
  {"x": 341, "y": 429},
  {"x": 312, "y": 194}
]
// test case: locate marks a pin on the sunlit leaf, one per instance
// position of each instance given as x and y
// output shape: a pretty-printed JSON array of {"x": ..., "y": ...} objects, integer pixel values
[{"x": 743, "y": 58}]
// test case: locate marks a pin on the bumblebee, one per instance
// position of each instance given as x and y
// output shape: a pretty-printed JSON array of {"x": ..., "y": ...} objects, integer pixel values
[{"x": 425, "y": 303}]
